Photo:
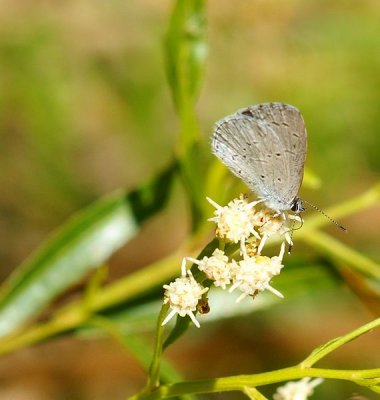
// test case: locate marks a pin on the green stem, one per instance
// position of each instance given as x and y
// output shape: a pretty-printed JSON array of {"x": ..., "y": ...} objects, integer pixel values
[
  {"x": 125, "y": 289},
  {"x": 366, "y": 378},
  {"x": 94, "y": 285},
  {"x": 43, "y": 331},
  {"x": 336, "y": 249},
  {"x": 154, "y": 370},
  {"x": 365, "y": 200},
  {"x": 253, "y": 393},
  {"x": 77, "y": 313},
  {"x": 332, "y": 345},
  {"x": 369, "y": 378}
]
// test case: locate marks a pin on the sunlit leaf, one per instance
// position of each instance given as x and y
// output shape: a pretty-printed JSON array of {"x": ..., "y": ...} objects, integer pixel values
[
  {"x": 79, "y": 246},
  {"x": 185, "y": 54},
  {"x": 186, "y": 51}
]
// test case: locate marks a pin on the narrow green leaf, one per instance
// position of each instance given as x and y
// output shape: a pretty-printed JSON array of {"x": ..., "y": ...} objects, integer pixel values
[
  {"x": 185, "y": 55},
  {"x": 82, "y": 244},
  {"x": 186, "y": 52},
  {"x": 181, "y": 326},
  {"x": 79, "y": 246}
]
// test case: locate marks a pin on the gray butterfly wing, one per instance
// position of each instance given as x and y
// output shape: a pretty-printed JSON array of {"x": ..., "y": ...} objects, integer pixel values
[{"x": 265, "y": 146}]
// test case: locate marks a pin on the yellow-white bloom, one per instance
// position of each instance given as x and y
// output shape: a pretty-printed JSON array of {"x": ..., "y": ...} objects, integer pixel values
[
  {"x": 216, "y": 268},
  {"x": 299, "y": 390},
  {"x": 183, "y": 296},
  {"x": 250, "y": 273},
  {"x": 253, "y": 274},
  {"x": 271, "y": 227},
  {"x": 235, "y": 221}
]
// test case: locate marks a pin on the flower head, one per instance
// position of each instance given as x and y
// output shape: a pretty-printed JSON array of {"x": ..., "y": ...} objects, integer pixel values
[
  {"x": 250, "y": 272},
  {"x": 250, "y": 247},
  {"x": 234, "y": 221},
  {"x": 183, "y": 296},
  {"x": 261, "y": 217},
  {"x": 271, "y": 227},
  {"x": 216, "y": 268},
  {"x": 253, "y": 274},
  {"x": 299, "y": 390}
]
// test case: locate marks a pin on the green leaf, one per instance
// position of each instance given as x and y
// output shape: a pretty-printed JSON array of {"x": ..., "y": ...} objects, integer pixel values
[
  {"x": 181, "y": 326},
  {"x": 185, "y": 55},
  {"x": 79, "y": 246},
  {"x": 186, "y": 52}
]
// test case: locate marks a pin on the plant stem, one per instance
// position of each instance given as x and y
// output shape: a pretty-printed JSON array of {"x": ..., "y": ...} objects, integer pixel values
[
  {"x": 154, "y": 369},
  {"x": 77, "y": 313},
  {"x": 74, "y": 315},
  {"x": 332, "y": 345},
  {"x": 254, "y": 394},
  {"x": 328, "y": 245},
  {"x": 238, "y": 383},
  {"x": 365, "y": 200}
]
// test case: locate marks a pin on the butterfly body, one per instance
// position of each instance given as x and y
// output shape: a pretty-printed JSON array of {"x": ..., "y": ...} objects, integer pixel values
[{"x": 265, "y": 145}]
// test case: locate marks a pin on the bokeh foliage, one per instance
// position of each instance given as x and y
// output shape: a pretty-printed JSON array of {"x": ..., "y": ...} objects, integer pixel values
[{"x": 85, "y": 109}]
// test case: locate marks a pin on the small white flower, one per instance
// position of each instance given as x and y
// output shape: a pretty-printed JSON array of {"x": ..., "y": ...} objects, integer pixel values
[
  {"x": 271, "y": 227},
  {"x": 253, "y": 274},
  {"x": 250, "y": 247},
  {"x": 275, "y": 265},
  {"x": 215, "y": 267},
  {"x": 235, "y": 221},
  {"x": 261, "y": 217},
  {"x": 183, "y": 296},
  {"x": 299, "y": 390}
]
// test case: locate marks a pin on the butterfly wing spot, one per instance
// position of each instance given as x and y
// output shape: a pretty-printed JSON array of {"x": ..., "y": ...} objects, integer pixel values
[
  {"x": 265, "y": 146},
  {"x": 247, "y": 112}
]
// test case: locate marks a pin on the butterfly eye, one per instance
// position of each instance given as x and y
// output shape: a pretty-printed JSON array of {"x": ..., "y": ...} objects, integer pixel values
[{"x": 297, "y": 206}]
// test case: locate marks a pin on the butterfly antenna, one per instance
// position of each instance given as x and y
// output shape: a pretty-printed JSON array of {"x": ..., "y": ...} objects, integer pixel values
[
  {"x": 292, "y": 229},
  {"x": 323, "y": 213}
]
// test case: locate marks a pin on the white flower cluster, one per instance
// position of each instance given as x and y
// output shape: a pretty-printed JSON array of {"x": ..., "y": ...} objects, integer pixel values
[
  {"x": 239, "y": 220},
  {"x": 183, "y": 296},
  {"x": 251, "y": 273},
  {"x": 299, "y": 390}
]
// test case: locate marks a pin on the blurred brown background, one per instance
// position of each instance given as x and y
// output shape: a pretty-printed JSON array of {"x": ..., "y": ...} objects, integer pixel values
[{"x": 85, "y": 109}]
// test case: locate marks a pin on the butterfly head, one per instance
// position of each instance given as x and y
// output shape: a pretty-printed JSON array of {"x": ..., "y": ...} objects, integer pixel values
[{"x": 297, "y": 206}]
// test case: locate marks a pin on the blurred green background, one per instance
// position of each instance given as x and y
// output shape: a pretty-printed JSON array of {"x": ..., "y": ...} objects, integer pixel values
[{"x": 85, "y": 108}]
